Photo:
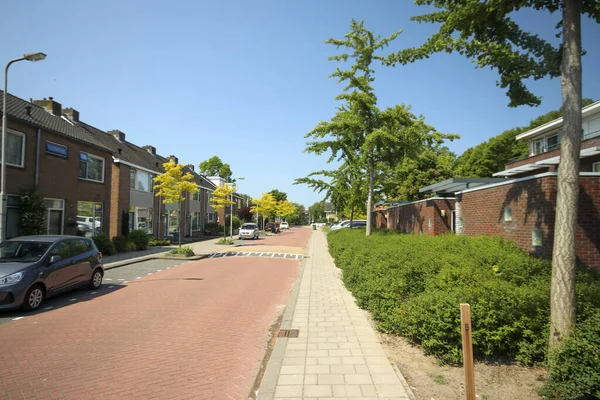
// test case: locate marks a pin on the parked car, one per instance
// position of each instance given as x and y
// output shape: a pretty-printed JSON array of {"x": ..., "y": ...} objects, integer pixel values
[
  {"x": 340, "y": 225},
  {"x": 284, "y": 225},
  {"x": 359, "y": 223},
  {"x": 90, "y": 223},
  {"x": 272, "y": 227},
  {"x": 248, "y": 231},
  {"x": 33, "y": 268}
]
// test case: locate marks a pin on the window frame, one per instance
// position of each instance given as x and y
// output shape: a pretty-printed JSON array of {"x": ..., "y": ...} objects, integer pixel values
[
  {"x": 24, "y": 141},
  {"x": 595, "y": 166},
  {"x": 55, "y": 153},
  {"x": 87, "y": 173}
]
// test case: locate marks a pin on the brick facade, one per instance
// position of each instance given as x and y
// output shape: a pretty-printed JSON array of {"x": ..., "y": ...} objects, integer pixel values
[
  {"x": 424, "y": 216},
  {"x": 532, "y": 208}
]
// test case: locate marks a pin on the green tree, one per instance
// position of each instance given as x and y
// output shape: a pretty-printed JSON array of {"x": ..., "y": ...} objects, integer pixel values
[
  {"x": 32, "y": 217},
  {"x": 316, "y": 212},
  {"x": 486, "y": 32},
  {"x": 284, "y": 208},
  {"x": 173, "y": 185},
  {"x": 215, "y": 167},
  {"x": 279, "y": 196},
  {"x": 220, "y": 198},
  {"x": 297, "y": 218}
]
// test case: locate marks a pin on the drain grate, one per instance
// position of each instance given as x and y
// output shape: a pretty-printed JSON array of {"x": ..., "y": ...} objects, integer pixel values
[{"x": 293, "y": 333}]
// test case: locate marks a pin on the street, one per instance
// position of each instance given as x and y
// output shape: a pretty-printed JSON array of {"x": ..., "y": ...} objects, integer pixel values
[{"x": 161, "y": 329}]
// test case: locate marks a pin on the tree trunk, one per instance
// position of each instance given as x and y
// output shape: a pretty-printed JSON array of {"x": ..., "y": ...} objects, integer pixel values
[
  {"x": 562, "y": 297},
  {"x": 370, "y": 196},
  {"x": 180, "y": 225}
]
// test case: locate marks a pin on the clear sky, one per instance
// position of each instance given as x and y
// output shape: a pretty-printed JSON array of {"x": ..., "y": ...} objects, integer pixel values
[{"x": 246, "y": 80}]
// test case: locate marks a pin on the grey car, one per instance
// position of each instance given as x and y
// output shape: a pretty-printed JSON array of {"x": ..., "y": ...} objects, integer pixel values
[{"x": 33, "y": 268}]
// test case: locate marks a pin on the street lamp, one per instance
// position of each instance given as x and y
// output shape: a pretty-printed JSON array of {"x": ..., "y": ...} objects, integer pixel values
[
  {"x": 231, "y": 207},
  {"x": 28, "y": 57}
]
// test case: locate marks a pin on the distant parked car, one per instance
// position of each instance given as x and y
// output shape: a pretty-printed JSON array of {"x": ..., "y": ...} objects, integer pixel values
[
  {"x": 340, "y": 225},
  {"x": 359, "y": 223},
  {"x": 284, "y": 225},
  {"x": 248, "y": 231},
  {"x": 33, "y": 268},
  {"x": 272, "y": 227}
]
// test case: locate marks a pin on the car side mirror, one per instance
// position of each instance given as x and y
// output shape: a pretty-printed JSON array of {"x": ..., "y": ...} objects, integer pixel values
[{"x": 55, "y": 259}]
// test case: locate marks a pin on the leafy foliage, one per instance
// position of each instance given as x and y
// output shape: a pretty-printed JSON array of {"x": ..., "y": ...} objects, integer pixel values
[
  {"x": 104, "y": 244},
  {"x": 139, "y": 238},
  {"x": 316, "y": 212},
  {"x": 120, "y": 243},
  {"x": 265, "y": 206},
  {"x": 215, "y": 167},
  {"x": 32, "y": 217},
  {"x": 575, "y": 374},
  {"x": 184, "y": 251},
  {"x": 245, "y": 214},
  {"x": 284, "y": 208},
  {"x": 220, "y": 198},
  {"x": 155, "y": 242},
  {"x": 413, "y": 286},
  {"x": 279, "y": 196}
]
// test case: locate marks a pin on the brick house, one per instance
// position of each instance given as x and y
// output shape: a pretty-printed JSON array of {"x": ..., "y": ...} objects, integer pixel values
[
  {"x": 66, "y": 164},
  {"x": 520, "y": 203},
  {"x": 197, "y": 208}
]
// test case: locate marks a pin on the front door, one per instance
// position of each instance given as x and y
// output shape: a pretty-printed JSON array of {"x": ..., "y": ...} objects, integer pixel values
[{"x": 55, "y": 222}]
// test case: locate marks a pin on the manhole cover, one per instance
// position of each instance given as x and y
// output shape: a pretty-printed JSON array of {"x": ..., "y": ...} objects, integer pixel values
[{"x": 293, "y": 333}]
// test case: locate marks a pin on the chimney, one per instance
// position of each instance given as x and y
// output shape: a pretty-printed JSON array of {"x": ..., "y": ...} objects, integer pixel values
[
  {"x": 190, "y": 167},
  {"x": 175, "y": 159},
  {"x": 150, "y": 149},
  {"x": 117, "y": 134},
  {"x": 53, "y": 107},
  {"x": 72, "y": 114}
]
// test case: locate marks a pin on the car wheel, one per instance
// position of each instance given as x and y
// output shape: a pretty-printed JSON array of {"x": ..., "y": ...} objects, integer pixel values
[
  {"x": 34, "y": 298},
  {"x": 96, "y": 280}
]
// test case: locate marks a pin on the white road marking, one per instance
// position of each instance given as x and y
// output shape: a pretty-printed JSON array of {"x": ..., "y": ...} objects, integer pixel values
[
  {"x": 108, "y": 279},
  {"x": 120, "y": 279},
  {"x": 138, "y": 277},
  {"x": 18, "y": 318},
  {"x": 158, "y": 270},
  {"x": 126, "y": 282},
  {"x": 149, "y": 273}
]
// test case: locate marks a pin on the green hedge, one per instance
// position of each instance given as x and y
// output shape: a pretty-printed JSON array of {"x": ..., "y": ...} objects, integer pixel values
[
  {"x": 139, "y": 238},
  {"x": 104, "y": 244},
  {"x": 413, "y": 285}
]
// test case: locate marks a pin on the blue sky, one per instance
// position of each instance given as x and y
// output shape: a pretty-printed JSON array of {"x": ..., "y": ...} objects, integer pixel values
[{"x": 247, "y": 80}]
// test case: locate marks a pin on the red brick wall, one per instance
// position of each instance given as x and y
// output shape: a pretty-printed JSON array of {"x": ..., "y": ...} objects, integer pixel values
[
  {"x": 119, "y": 198},
  {"x": 380, "y": 218},
  {"x": 533, "y": 207},
  {"x": 414, "y": 217}
]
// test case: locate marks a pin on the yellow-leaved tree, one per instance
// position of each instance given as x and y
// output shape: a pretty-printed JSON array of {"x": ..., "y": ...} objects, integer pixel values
[
  {"x": 172, "y": 186},
  {"x": 285, "y": 208},
  {"x": 220, "y": 198},
  {"x": 265, "y": 206}
]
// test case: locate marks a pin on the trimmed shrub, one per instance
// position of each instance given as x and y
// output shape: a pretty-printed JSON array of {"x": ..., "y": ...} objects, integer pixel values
[
  {"x": 156, "y": 242},
  {"x": 131, "y": 246},
  {"x": 184, "y": 251},
  {"x": 211, "y": 228},
  {"x": 575, "y": 373},
  {"x": 104, "y": 244},
  {"x": 413, "y": 285},
  {"x": 120, "y": 243},
  {"x": 139, "y": 238}
]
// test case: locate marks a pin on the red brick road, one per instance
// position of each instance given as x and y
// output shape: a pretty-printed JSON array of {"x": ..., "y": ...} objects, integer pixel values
[{"x": 195, "y": 331}]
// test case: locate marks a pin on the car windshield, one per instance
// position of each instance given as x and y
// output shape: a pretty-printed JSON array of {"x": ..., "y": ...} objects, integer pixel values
[
  {"x": 22, "y": 251},
  {"x": 249, "y": 226}
]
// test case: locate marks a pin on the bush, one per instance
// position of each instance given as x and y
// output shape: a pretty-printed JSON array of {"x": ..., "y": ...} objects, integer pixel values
[
  {"x": 131, "y": 246},
  {"x": 104, "y": 244},
  {"x": 156, "y": 242},
  {"x": 575, "y": 373},
  {"x": 413, "y": 286},
  {"x": 139, "y": 238},
  {"x": 211, "y": 228},
  {"x": 120, "y": 243},
  {"x": 184, "y": 251}
]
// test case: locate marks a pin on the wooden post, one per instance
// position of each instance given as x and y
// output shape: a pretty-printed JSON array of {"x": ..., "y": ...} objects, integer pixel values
[{"x": 467, "y": 345}]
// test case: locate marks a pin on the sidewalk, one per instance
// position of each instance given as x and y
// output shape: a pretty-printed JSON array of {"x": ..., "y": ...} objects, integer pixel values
[
  {"x": 337, "y": 353},
  {"x": 202, "y": 249}
]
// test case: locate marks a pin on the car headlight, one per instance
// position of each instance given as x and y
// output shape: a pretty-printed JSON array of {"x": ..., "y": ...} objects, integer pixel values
[{"x": 11, "y": 279}]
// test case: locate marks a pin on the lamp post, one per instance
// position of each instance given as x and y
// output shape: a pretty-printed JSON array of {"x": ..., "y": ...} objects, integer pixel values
[
  {"x": 231, "y": 207},
  {"x": 28, "y": 57}
]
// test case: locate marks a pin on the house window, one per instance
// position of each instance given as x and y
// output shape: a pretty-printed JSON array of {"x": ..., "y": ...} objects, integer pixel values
[
  {"x": 140, "y": 180},
  {"x": 596, "y": 167},
  {"x": 196, "y": 196},
  {"x": 57, "y": 149},
  {"x": 196, "y": 221},
  {"x": 91, "y": 167},
  {"x": 552, "y": 142},
  {"x": 15, "y": 149},
  {"x": 89, "y": 218},
  {"x": 141, "y": 218},
  {"x": 536, "y": 237},
  {"x": 508, "y": 213}
]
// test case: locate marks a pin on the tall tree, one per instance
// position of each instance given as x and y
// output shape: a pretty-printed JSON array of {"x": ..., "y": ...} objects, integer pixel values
[
  {"x": 358, "y": 118},
  {"x": 486, "y": 32},
  {"x": 173, "y": 185},
  {"x": 279, "y": 196},
  {"x": 215, "y": 167},
  {"x": 221, "y": 197},
  {"x": 284, "y": 208},
  {"x": 316, "y": 212}
]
